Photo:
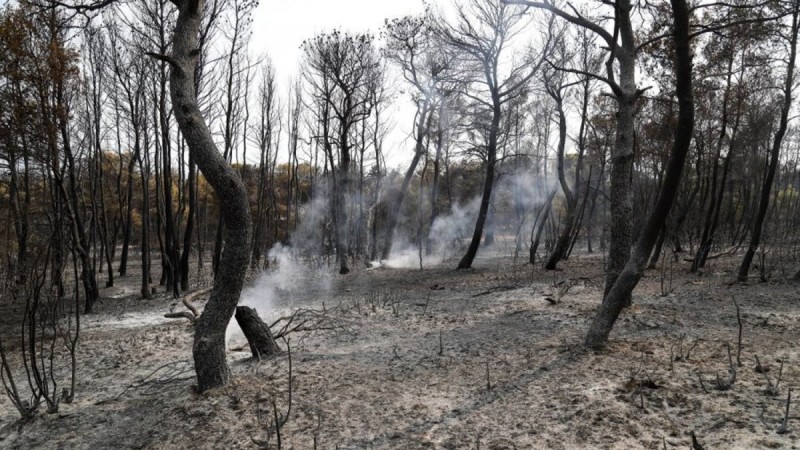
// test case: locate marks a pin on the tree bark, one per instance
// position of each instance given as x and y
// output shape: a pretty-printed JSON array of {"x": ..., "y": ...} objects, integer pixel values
[
  {"x": 624, "y": 284},
  {"x": 712, "y": 213},
  {"x": 258, "y": 334},
  {"x": 189, "y": 229},
  {"x": 488, "y": 184},
  {"x": 541, "y": 220},
  {"x": 128, "y": 224},
  {"x": 209, "y": 339},
  {"x": 562, "y": 243},
  {"x": 766, "y": 188}
]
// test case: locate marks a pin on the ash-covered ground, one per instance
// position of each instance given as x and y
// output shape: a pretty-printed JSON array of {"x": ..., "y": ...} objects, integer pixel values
[{"x": 404, "y": 358}]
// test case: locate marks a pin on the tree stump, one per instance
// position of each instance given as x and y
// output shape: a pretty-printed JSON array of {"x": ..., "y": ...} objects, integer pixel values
[{"x": 258, "y": 334}]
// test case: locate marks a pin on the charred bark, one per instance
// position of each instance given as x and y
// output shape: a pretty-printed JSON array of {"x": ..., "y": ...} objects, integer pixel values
[
  {"x": 209, "y": 339},
  {"x": 766, "y": 188},
  {"x": 258, "y": 334},
  {"x": 624, "y": 284}
]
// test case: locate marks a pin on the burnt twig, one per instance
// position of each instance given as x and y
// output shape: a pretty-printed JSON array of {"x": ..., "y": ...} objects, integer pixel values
[{"x": 784, "y": 426}]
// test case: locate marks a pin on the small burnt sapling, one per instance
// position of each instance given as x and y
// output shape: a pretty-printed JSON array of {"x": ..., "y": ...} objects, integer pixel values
[
  {"x": 784, "y": 428},
  {"x": 278, "y": 420},
  {"x": 773, "y": 389}
]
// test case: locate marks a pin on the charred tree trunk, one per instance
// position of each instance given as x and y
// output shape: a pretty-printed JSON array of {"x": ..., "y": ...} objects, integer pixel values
[
  {"x": 620, "y": 292},
  {"x": 419, "y": 150},
  {"x": 170, "y": 241},
  {"x": 189, "y": 229},
  {"x": 145, "y": 244},
  {"x": 69, "y": 198},
  {"x": 562, "y": 244},
  {"x": 209, "y": 339},
  {"x": 621, "y": 205},
  {"x": 717, "y": 189},
  {"x": 623, "y": 47},
  {"x": 538, "y": 227},
  {"x": 621, "y": 195},
  {"x": 19, "y": 213},
  {"x": 258, "y": 334},
  {"x": 766, "y": 188},
  {"x": 144, "y": 168},
  {"x": 128, "y": 225},
  {"x": 488, "y": 184},
  {"x": 340, "y": 212}
]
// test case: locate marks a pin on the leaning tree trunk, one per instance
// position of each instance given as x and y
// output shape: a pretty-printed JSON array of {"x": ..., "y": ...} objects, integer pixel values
[
  {"x": 538, "y": 225},
  {"x": 419, "y": 149},
  {"x": 488, "y": 183},
  {"x": 258, "y": 334},
  {"x": 209, "y": 338},
  {"x": 624, "y": 284},
  {"x": 562, "y": 244},
  {"x": 766, "y": 188}
]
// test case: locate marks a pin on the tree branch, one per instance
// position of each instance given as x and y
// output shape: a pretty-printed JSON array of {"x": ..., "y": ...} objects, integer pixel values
[
  {"x": 613, "y": 85},
  {"x": 577, "y": 20},
  {"x": 167, "y": 59}
]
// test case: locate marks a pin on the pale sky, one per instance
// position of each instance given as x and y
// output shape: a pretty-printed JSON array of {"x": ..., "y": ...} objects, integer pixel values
[{"x": 280, "y": 26}]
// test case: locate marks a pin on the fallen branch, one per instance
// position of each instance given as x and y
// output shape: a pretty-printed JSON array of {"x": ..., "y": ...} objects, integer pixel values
[
  {"x": 494, "y": 289},
  {"x": 181, "y": 315},
  {"x": 172, "y": 372},
  {"x": 187, "y": 300},
  {"x": 193, "y": 312},
  {"x": 308, "y": 320},
  {"x": 729, "y": 252},
  {"x": 562, "y": 291}
]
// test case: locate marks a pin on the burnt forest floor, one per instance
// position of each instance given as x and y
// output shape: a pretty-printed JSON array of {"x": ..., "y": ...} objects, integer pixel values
[{"x": 439, "y": 358}]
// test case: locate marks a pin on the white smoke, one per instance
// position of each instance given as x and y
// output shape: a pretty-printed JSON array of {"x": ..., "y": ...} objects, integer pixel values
[
  {"x": 448, "y": 234},
  {"x": 515, "y": 196},
  {"x": 289, "y": 280},
  {"x": 285, "y": 283},
  {"x": 307, "y": 237}
]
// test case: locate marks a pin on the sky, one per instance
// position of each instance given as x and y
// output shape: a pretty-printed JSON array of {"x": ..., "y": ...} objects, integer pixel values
[{"x": 280, "y": 26}]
